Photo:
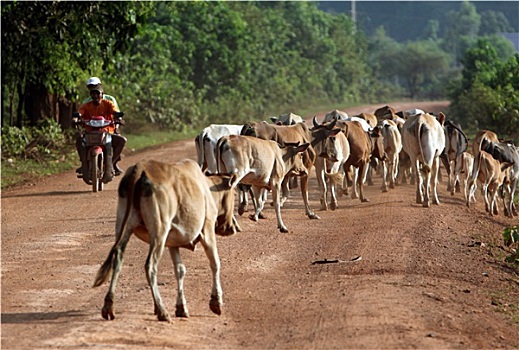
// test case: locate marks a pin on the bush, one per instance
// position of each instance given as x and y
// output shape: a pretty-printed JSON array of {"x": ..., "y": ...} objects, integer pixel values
[{"x": 36, "y": 142}]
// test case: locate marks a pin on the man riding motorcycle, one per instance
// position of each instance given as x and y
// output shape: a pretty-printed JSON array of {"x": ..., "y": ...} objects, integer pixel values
[{"x": 106, "y": 108}]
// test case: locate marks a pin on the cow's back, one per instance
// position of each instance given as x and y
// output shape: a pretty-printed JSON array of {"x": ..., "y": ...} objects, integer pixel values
[
  {"x": 160, "y": 189},
  {"x": 423, "y": 137}
]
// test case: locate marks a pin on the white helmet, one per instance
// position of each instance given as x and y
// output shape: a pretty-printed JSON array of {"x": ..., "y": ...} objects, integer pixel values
[{"x": 93, "y": 81}]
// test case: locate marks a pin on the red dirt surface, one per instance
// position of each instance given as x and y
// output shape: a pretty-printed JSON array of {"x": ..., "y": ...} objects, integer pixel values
[{"x": 427, "y": 278}]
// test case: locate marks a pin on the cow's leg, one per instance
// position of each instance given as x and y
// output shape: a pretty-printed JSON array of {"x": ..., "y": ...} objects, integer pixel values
[
  {"x": 259, "y": 199},
  {"x": 157, "y": 242},
  {"x": 335, "y": 178},
  {"x": 419, "y": 182},
  {"x": 304, "y": 194},
  {"x": 285, "y": 190},
  {"x": 180, "y": 273},
  {"x": 362, "y": 171},
  {"x": 394, "y": 170},
  {"x": 275, "y": 195},
  {"x": 208, "y": 241},
  {"x": 355, "y": 178},
  {"x": 434, "y": 181},
  {"x": 385, "y": 175},
  {"x": 321, "y": 181},
  {"x": 242, "y": 194},
  {"x": 113, "y": 263}
]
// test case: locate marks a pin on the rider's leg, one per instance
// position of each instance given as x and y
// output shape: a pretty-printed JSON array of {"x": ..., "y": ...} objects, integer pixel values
[
  {"x": 118, "y": 143},
  {"x": 81, "y": 151},
  {"x": 109, "y": 170}
]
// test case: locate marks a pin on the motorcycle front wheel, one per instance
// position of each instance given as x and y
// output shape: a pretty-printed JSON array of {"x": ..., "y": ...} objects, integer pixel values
[{"x": 97, "y": 172}]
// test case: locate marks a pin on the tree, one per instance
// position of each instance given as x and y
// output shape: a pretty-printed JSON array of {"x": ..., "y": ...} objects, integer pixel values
[
  {"x": 421, "y": 63},
  {"x": 493, "y": 22},
  {"x": 48, "y": 47},
  {"x": 462, "y": 28},
  {"x": 487, "y": 97}
]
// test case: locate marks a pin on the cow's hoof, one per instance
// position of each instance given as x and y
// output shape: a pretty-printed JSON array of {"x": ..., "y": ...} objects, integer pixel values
[
  {"x": 241, "y": 210},
  {"x": 364, "y": 200},
  {"x": 261, "y": 216},
  {"x": 253, "y": 217},
  {"x": 333, "y": 205},
  {"x": 314, "y": 216},
  {"x": 283, "y": 230},
  {"x": 181, "y": 311},
  {"x": 384, "y": 190},
  {"x": 108, "y": 311},
  {"x": 164, "y": 317},
  {"x": 108, "y": 314},
  {"x": 215, "y": 305}
]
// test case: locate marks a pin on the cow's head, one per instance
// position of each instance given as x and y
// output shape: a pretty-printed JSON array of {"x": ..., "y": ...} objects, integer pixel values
[
  {"x": 293, "y": 157},
  {"x": 324, "y": 139},
  {"x": 377, "y": 144},
  {"x": 223, "y": 195}
]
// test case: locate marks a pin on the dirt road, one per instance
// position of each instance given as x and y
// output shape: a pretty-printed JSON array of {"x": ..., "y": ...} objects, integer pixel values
[{"x": 427, "y": 278}]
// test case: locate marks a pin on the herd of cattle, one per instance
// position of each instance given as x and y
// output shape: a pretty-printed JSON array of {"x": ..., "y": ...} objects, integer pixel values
[{"x": 178, "y": 205}]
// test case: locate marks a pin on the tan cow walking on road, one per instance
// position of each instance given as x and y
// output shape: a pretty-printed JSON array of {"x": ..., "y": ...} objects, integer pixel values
[
  {"x": 262, "y": 164},
  {"x": 165, "y": 205}
]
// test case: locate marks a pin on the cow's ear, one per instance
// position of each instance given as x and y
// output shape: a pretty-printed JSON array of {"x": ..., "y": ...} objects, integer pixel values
[
  {"x": 302, "y": 148},
  {"x": 334, "y": 132},
  {"x": 274, "y": 119},
  {"x": 375, "y": 132},
  {"x": 441, "y": 118}
]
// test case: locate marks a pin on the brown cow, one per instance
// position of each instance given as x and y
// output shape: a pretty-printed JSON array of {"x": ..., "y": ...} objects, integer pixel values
[
  {"x": 476, "y": 150},
  {"x": 370, "y": 118},
  {"x": 491, "y": 173},
  {"x": 165, "y": 205},
  {"x": 360, "y": 153},
  {"x": 262, "y": 164}
]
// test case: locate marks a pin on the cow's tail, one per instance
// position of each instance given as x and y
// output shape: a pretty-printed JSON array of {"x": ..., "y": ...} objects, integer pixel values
[
  {"x": 199, "y": 143},
  {"x": 221, "y": 146},
  {"x": 477, "y": 163},
  {"x": 337, "y": 178},
  {"x": 419, "y": 133},
  {"x": 126, "y": 189}
]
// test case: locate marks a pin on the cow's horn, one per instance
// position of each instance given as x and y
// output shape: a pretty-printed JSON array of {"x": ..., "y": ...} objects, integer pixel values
[{"x": 314, "y": 120}]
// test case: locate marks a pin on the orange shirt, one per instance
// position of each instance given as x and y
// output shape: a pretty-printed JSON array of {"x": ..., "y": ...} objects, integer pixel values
[{"x": 106, "y": 108}]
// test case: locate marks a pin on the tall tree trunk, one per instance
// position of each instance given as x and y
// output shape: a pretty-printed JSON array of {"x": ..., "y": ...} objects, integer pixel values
[{"x": 37, "y": 103}]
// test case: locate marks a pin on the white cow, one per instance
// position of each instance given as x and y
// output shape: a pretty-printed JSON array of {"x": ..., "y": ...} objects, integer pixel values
[
  {"x": 287, "y": 119},
  {"x": 423, "y": 140},
  {"x": 332, "y": 154},
  {"x": 340, "y": 115},
  {"x": 206, "y": 143}
]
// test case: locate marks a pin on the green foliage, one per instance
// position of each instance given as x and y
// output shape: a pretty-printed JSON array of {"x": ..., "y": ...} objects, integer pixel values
[
  {"x": 511, "y": 238},
  {"x": 487, "y": 97},
  {"x": 32, "y": 142}
]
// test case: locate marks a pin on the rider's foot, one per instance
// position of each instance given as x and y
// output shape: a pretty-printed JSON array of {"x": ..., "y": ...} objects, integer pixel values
[
  {"x": 79, "y": 170},
  {"x": 118, "y": 171}
]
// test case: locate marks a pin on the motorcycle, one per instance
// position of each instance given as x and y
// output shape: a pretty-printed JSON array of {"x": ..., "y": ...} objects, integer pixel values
[{"x": 97, "y": 143}]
